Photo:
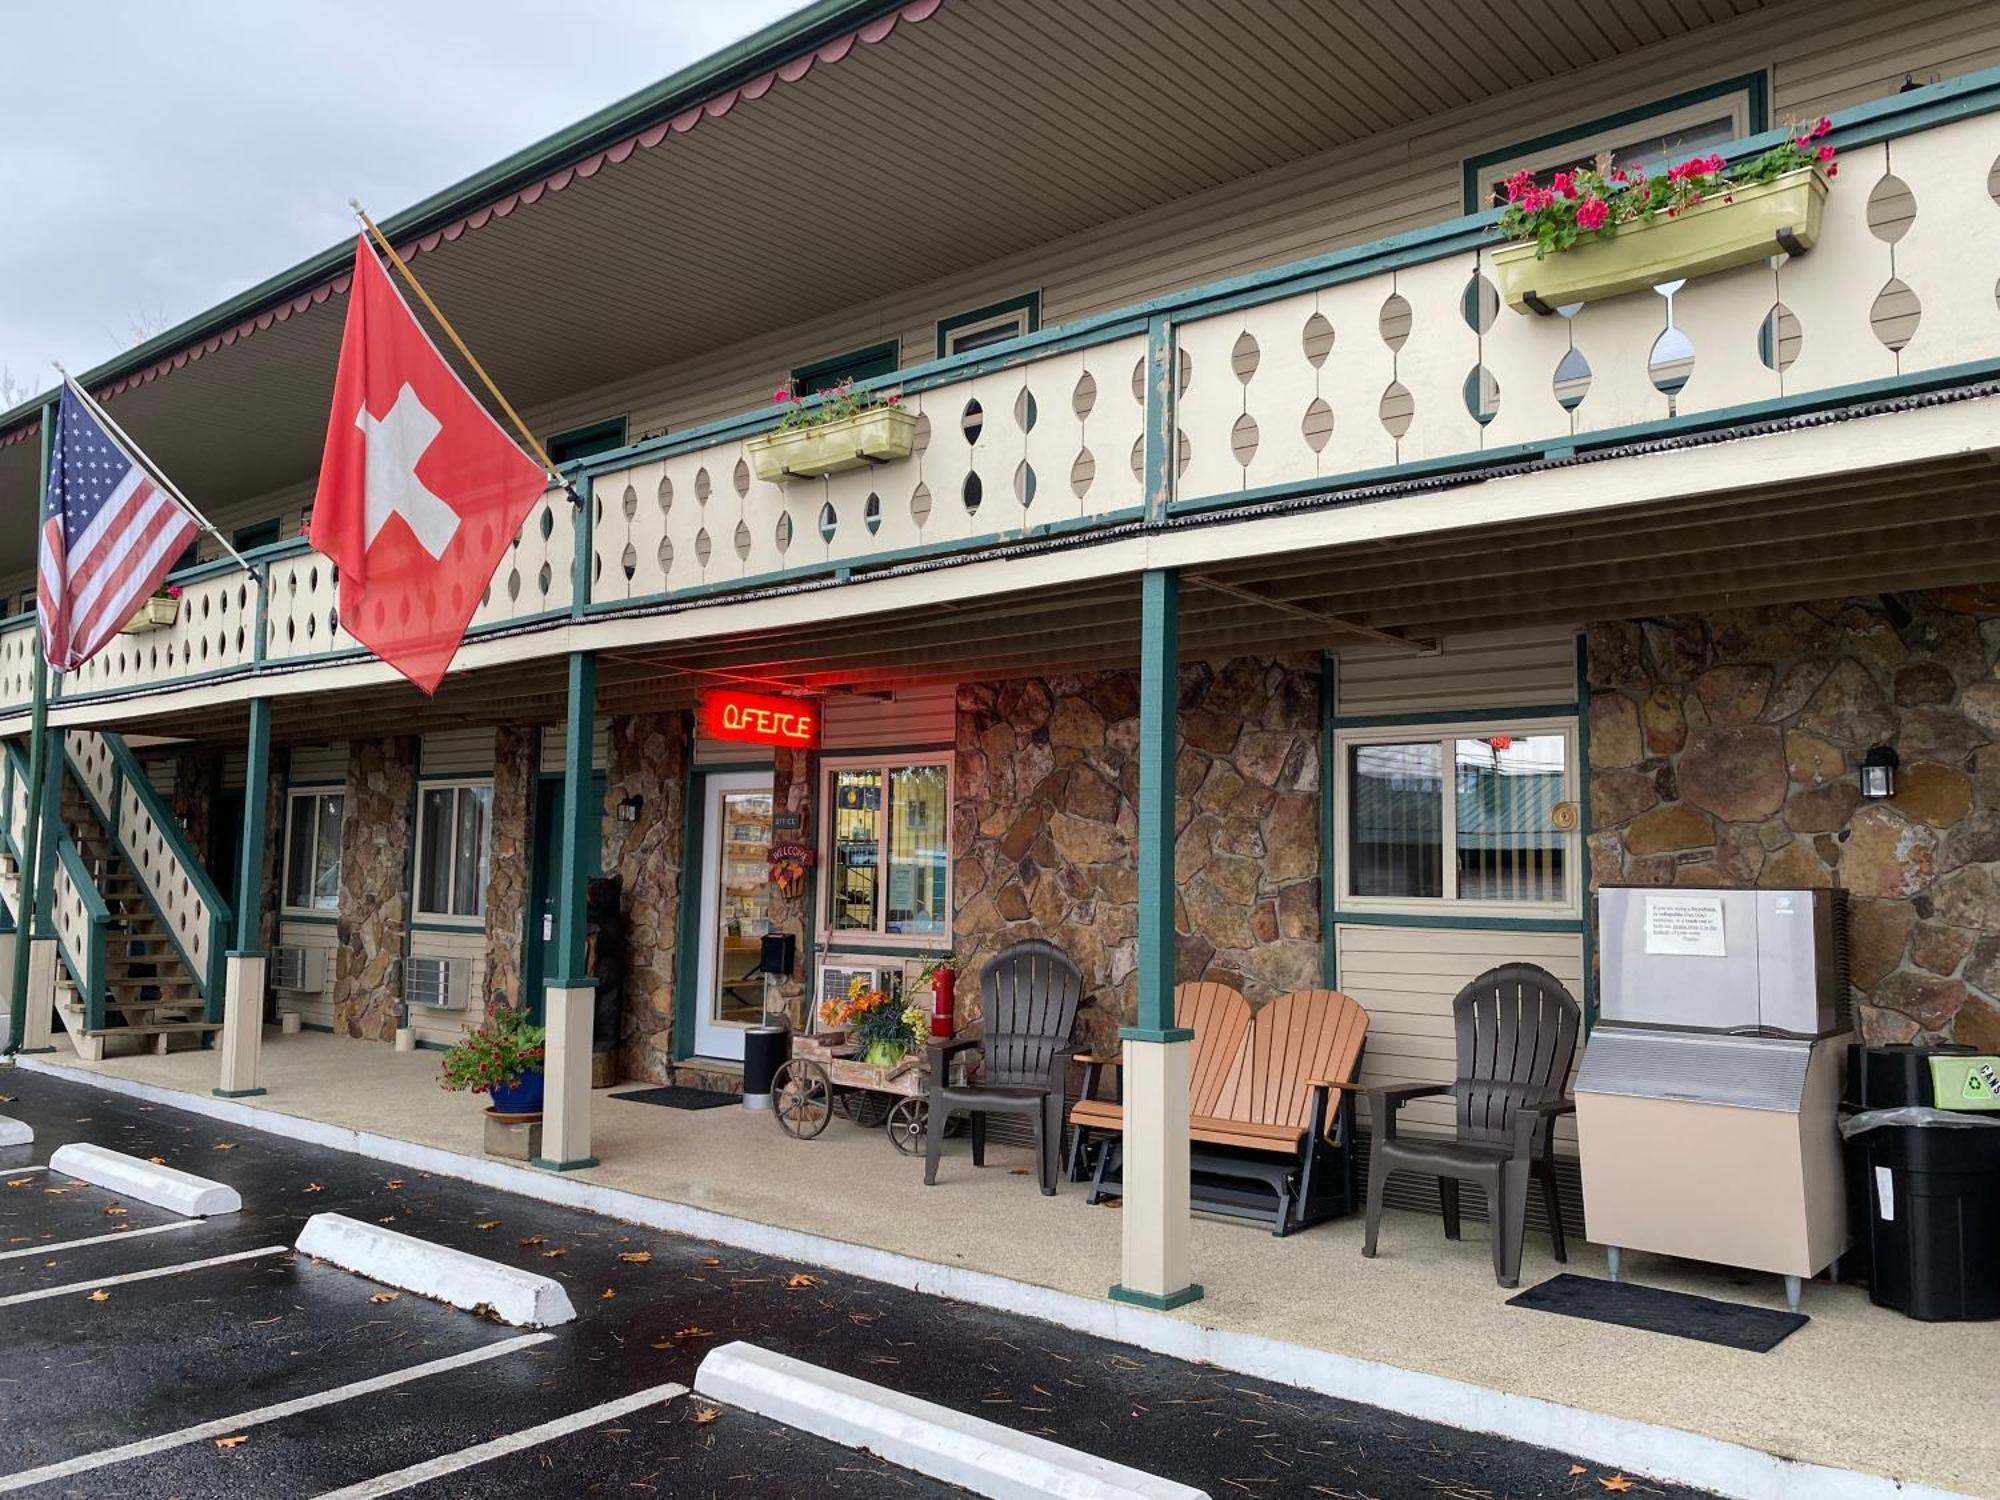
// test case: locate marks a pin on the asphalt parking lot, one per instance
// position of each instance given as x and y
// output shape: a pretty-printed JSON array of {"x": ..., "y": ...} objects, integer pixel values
[{"x": 138, "y": 1358}]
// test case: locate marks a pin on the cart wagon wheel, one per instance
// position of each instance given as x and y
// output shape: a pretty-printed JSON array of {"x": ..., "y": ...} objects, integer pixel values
[
  {"x": 863, "y": 1108},
  {"x": 802, "y": 1098},
  {"x": 908, "y": 1119}
]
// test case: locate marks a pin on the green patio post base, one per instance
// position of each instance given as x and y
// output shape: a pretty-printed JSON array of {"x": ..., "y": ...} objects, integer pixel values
[
  {"x": 237, "y": 1093},
  {"x": 1155, "y": 1303},
  {"x": 31, "y": 1051},
  {"x": 562, "y": 1166}
]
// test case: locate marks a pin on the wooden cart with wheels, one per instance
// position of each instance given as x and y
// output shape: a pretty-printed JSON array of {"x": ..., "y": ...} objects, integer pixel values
[{"x": 817, "y": 1079}]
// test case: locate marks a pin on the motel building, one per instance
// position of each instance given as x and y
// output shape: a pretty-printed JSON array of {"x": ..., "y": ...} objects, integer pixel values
[{"x": 1265, "y": 585}]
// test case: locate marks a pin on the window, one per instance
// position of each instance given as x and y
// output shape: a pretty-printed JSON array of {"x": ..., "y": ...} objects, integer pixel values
[
  {"x": 312, "y": 850},
  {"x": 452, "y": 824},
  {"x": 889, "y": 869},
  {"x": 856, "y": 364},
  {"x": 1463, "y": 814},
  {"x": 582, "y": 442},
  {"x": 256, "y": 534},
  {"x": 985, "y": 326}
]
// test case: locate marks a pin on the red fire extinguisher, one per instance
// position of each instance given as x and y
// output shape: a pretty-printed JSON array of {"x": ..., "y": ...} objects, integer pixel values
[{"x": 942, "y": 1021}]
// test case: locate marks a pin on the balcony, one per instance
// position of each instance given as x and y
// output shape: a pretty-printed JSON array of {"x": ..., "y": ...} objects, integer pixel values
[{"x": 1373, "y": 371}]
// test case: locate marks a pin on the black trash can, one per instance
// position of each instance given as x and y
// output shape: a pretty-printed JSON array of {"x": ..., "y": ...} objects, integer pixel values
[
  {"x": 1925, "y": 1185},
  {"x": 765, "y": 1049}
]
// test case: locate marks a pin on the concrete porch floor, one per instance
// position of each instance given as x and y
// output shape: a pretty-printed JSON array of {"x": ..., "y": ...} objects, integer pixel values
[{"x": 1857, "y": 1388}]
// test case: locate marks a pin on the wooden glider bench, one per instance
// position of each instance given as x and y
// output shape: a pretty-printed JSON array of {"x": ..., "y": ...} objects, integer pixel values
[{"x": 1270, "y": 1107}]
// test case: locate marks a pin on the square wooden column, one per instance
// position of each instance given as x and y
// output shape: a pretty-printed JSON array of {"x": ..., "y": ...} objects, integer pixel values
[
  {"x": 569, "y": 1003},
  {"x": 244, "y": 966},
  {"x": 1154, "y": 1268}
]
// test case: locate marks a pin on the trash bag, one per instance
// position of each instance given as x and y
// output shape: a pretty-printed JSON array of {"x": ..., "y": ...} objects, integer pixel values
[{"x": 1920, "y": 1116}]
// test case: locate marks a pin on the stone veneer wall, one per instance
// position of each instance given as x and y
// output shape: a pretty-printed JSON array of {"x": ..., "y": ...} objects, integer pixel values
[
  {"x": 516, "y": 760},
  {"x": 197, "y": 775},
  {"x": 1046, "y": 814},
  {"x": 648, "y": 758},
  {"x": 374, "y": 886},
  {"x": 1723, "y": 751}
]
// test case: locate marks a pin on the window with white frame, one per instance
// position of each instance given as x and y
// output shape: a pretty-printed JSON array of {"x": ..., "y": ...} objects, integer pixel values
[
  {"x": 888, "y": 864},
  {"x": 313, "y": 820},
  {"x": 1475, "y": 815},
  {"x": 454, "y": 820},
  {"x": 984, "y": 327}
]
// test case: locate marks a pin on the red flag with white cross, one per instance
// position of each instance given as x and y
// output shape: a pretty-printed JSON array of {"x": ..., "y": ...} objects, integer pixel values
[{"x": 420, "y": 490}]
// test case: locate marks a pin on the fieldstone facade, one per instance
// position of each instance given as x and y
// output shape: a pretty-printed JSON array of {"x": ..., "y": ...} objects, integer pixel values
[
  {"x": 1724, "y": 751},
  {"x": 374, "y": 886},
  {"x": 516, "y": 752},
  {"x": 1045, "y": 825},
  {"x": 648, "y": 759}
]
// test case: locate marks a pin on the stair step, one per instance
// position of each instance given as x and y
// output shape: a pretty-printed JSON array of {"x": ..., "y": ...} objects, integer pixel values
[{"x": 163, "y": 1028}]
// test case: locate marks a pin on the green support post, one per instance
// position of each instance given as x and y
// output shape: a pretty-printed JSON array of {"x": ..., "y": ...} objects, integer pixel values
[
  {"x": 249, "y": 891},
  {"x": 29, "y": 874},
  {"x": 580, "y": 821},
  {"x": 1159, "y": 711},
  {"x": 568, "y": 1004},
  {"x": 244, "y": 964}
]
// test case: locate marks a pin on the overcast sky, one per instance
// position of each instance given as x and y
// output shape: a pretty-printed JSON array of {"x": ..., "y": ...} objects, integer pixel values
[{"x": 157, "y": 158}]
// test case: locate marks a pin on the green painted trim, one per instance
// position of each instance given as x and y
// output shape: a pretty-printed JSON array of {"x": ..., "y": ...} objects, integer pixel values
[
  {"x": 319, "y": 1026},
  {"x": 580, "y": 568},
  {"x": 421, "y": 1045},
  {"x": 90, "y": 968},
  {"x": 455, "y": 778},
  {"x": 436, "y": 924},
  {"x": 1583, "y": 830},
  {"x": 33, "y": 1051},
  {"x": 1155, "y": 1035},
  {"x": 1159, "y": 713},
  {"x": 820, "y": 374},
  {"x": 261, "y": 639},
  {"x": 237, "y": 1093},
  {"x": 1456, "y": 716},
  {"x": 1329, "y": 703},
  {"x": 589, "y": 432},
  {"x": 247, "y": 953},
  {"x": 1028, "y": 302},
  {"x": 250, "y": 859},
  {"x": 581, "y": 825},
  {"x": 738, "y": 63},
  {"x": 1162, "y": 436},
  {"x": 1172, "y": 1300},
  {"x": 1477, "y": 922},
  {"x": 1756, "y": 85},
  {"x": 580, "y": 1164},
  {"x": 306, "y": 918},
  {"x": 881, "y": 950}
]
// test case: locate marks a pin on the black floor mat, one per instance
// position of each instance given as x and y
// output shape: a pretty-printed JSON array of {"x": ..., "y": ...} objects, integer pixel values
[
  {"x": 1731, "y": 1324},
  {"x": 679, "y": 1098}
]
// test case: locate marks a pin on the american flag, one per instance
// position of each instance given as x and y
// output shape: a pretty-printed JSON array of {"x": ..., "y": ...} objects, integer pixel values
[{"x": 109, "y": 535}]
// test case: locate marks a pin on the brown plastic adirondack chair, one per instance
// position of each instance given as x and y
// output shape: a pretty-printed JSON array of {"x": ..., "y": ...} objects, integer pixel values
[
  {"x": 1218, "y": 1016},
  {"x": 1275, "y": 1142},
  {"x": 1517, "y": 1029},
  {"x": 1029, "y": 992}
]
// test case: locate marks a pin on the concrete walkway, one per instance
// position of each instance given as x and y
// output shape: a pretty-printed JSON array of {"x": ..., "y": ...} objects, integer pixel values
[{"x": 1858, "y": 1388}]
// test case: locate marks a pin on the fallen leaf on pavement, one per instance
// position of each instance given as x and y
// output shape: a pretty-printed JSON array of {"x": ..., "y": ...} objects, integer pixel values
[
  {"x": 800, "y": 1280},
  {"x": 386, "y": 1219},
  {"x": 637, "y": 1257},
  {"x": 556, "y": 1254},
  {"x": 665, "y": 1344},
  {"x": 313, "y": 1187},
  {"x": 100, "y": 1295},
  {"x": 1576, "y": 1469},
  {"x": 22, "y": 1182},
  {"x": 607, "y": 1294},
  {"x": 489, "y": 1224},
  {"x": 394, "y": 1184},
  {"x": 703, "y": 1415},
  {"x": 8, "y": 1098},
  {"x": 711, "y": 1260},
  {"x": 225, "y": 1145},
  {"x": 115, "y": 1212},
  {"x": 1617, "y": 1483},
  {"x": 692, "y": 1333},
  {"x": 158, "y": 1161},
  {"x": 534, "y": 1239},
  {"x": 233, "y": 1442},
  {"x": 385, "y": 1297}
]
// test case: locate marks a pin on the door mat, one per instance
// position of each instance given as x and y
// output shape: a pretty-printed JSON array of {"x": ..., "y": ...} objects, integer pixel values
[
  {"x": 1734, "y": 1325},
  {"x": 680, "y": 1098}
]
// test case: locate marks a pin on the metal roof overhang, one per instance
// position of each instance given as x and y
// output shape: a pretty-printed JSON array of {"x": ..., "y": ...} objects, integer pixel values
[{"x": 854, "y": 150}]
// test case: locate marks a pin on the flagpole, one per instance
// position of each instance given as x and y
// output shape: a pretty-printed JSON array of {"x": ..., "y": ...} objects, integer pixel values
[
  {"x": 158, "y": 475},
  {"x": 534, "y": 444},
  {"x": 27, "y": 896}
]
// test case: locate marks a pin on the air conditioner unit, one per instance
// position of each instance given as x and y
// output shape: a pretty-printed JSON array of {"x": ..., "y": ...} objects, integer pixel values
[
  {"x": 298, "y": 969},
  {"x": 435, "y": 982}
]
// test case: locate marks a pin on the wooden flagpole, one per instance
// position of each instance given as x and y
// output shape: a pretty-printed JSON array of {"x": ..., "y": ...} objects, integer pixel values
[
  {"x": 533, "y": 443},
  {"x": 153, "y": 470}
]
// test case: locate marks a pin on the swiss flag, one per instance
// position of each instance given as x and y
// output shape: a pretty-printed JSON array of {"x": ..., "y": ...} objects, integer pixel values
[{"x": 420, "y": 489}]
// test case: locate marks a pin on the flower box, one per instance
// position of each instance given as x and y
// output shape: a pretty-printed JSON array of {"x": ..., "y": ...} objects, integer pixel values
[
  {"x": 879, "y": 435},
  {"x": 158, "y": 611},
  {"x": 1742, "y": 225}
]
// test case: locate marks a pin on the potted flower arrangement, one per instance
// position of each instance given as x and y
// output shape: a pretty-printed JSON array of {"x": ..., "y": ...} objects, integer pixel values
[
  {"x": 883, "y": 1031},
  {"x": 501, "y": 1058},
  {"x": 1603, "y": 230},
  {"x": 162, "y": 608},
  {"x": 841, "y": 427}
]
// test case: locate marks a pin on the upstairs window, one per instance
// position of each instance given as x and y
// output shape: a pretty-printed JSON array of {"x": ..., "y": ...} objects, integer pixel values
[
  {"x": 984, "y": 327},
  {"x": 856, "y": 364},
  {"x": 582, "y": 442}
]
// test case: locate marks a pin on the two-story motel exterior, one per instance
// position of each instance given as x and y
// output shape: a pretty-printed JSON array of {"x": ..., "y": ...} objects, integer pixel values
[{"x": 1248, "y": 547}]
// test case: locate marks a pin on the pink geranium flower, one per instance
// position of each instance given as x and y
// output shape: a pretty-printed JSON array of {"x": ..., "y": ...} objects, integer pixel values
[{"x": 1591, "y": 214}]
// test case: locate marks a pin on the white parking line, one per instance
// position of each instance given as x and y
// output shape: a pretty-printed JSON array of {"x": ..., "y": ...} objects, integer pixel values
[
  {"x": 19, "y": 1171},
  {"x": 228, "y": 1426},
  {"x": 500, "y": 1447},
  {"x": 98, "y": 1239},
  {"x": 130, "y": 1276}
]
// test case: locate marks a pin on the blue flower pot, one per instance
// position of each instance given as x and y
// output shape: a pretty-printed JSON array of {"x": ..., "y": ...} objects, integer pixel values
[{"x": 522, "y": 1097}]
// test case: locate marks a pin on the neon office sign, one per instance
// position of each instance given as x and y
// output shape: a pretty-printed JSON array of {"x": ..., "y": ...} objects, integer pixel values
[{"x": 754, "y": 719}]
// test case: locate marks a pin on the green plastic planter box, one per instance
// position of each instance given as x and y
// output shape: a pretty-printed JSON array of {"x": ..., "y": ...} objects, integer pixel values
[
  {"x": 880, "y": 435},
  {"x": 1782, "y": 215}
]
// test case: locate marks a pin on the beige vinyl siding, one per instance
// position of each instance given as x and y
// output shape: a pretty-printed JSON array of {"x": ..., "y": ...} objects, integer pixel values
[
  {"x": 1498, "y": 669},
  {"x": 162, "y": 771},
  {"x": 708, "y": 752},
  {"x": 314, "y": 1009},
  {"x": 446, "y": 1026},
  {"x": 1406, "y": 977},
  {"x": 555, "y": 745},
  {"x": 458, "y": 752},
  {"x": 319, "y": 765},
  {"x": 912, "y": 719}
]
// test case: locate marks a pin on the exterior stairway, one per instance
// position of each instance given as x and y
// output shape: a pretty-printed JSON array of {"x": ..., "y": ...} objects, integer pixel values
[{"x": 149, "y": 993}]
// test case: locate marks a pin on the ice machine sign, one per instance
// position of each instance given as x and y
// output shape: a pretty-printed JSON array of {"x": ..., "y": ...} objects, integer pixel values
[{"x": 1685, "y": 925}]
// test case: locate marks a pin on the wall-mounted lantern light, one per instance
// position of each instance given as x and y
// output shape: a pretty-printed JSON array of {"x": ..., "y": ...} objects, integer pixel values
[
  {"x": 1878, "y": 774},
  {"x": 628, "y": 808}
]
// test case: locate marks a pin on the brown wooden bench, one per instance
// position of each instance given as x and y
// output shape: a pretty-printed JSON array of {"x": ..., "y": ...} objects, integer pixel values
[{"x": 1270, "y": 1106}]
